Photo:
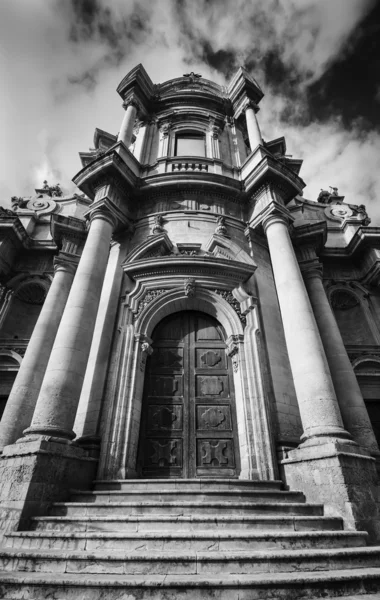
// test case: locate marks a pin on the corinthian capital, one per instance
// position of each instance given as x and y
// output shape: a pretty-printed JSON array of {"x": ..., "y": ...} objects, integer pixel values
[
  {"x": 131, "y": 101},
  {"x": 251, "y": 104}
]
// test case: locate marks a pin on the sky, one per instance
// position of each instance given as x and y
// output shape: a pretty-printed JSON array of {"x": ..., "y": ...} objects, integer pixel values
[{"x": 317, "y": 61}]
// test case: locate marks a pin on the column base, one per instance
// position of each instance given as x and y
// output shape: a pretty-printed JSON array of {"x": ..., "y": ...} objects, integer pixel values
[
  {"x": 323, "y": 435},
  {"x": 35, "y": 473},
  {"x": 342, "y": 478},
  {"x": 54, "y": 433}
]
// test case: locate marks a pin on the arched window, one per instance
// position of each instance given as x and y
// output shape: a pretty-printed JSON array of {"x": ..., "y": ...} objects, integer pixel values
[{"x": 190, "y": 143}]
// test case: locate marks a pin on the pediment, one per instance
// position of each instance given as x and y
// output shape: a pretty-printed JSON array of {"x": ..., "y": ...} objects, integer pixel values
[
  {"x": 154, "y": 247},
  {"x": 223, "y": 247}
]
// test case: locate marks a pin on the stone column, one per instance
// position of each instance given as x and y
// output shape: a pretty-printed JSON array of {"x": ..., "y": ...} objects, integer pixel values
[
  {"x": 126, "y": 130},
  {"x": 351, "y": 403},
  {"x": 59, "y": 396},
  {"x": 253, "y": 128},
  {"x": 318, "y": 405},
  {"x": 140, "y": 142},
  {"x": 21, "y": 403}
]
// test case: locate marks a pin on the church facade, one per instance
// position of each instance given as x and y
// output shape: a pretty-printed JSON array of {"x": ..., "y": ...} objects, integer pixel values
[{"x": 189, "y": 316}]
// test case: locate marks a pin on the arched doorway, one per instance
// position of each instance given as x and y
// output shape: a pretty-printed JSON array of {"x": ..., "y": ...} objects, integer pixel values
[{"x": 188, "y": 424}]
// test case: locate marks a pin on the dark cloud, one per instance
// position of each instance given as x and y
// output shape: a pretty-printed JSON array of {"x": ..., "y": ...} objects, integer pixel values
[
  {"x": 350, "y": 86},
  {"x": 286, "y": 54},
  {"x": 117, "y": 31},
  {"x": 224, "y": 61}
]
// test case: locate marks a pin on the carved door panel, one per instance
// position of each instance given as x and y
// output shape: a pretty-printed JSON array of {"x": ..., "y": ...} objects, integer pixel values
[{"x": 188, "y": 425}]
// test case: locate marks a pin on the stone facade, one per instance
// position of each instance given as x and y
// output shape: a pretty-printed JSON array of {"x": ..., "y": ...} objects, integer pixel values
[{"x": 291, "y": 283}]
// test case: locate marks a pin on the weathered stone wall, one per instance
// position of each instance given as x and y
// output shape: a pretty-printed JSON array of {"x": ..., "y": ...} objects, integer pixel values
[{"x": 35, "y": 474}]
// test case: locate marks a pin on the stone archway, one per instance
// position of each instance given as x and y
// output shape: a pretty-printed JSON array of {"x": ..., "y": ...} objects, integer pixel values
[
  {"x": 123, "y": 402},
  {"x": 188, "y": 425}
]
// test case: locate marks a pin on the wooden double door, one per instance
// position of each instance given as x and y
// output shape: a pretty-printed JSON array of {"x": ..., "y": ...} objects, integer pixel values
[{"x": 188, "y": 423}]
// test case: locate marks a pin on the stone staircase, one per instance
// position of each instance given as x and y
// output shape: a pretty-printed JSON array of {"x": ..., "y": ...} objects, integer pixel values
[{"x": 187, "y": 540}]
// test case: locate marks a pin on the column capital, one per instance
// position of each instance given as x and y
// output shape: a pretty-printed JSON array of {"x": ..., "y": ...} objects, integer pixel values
[
  {"x": 251, "y": 104},
  {"x": 274, "y": 212},
  {"x": 311, "y": 269},
  {"x": 104, "y": 210},
  {"x": 130, "y": 101},
  {"x": 65, "y": 262}
]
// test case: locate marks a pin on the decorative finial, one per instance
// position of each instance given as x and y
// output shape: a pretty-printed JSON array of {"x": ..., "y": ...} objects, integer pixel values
[
  {"x": 192, "y": 76},
  {"x": 51, "y": 190}
]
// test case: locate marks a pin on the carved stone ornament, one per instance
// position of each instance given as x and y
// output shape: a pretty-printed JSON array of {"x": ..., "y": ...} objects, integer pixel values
[
  {"x": 215, "y": 130},
  {"x": 233, "y": 352},
  {"x": 342, "y": 300},
  {"x": 18, "y": 202},
  {"x": 227, "y": 295},
  {"x": 130, "y": 101},
  {"x": 146, "y": 350},
  {"x": 6, "y": 212},
  {"x": 54, "y": 191},
  {"x": 190, "y": 287},
  {"x": 221, "y": 228},
  {"x": 158, "y": 224},
  {"x": 164, "y": 129},
  {"x": 148, "y": 298}
]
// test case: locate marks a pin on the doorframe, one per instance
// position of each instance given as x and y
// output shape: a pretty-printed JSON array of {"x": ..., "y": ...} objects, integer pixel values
[{"x": 124, "y": 391}]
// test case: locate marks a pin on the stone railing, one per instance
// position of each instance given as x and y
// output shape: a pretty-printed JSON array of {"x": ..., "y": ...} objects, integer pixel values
[{"x": 189, "y": 166}]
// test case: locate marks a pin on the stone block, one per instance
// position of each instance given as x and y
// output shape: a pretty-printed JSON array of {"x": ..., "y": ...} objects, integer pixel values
[
  {"x": 36, "y": 473},
  {"x": 343, "y": 480}
]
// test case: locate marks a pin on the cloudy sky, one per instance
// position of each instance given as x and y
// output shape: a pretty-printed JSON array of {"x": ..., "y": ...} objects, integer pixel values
[{"x": 318, "y": 62}]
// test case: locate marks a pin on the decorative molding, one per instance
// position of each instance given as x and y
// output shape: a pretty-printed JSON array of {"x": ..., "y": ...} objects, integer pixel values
[
  {"x": 147, "y": 299},
  {"x": 227, "y": 295},
  {"x": 189, "y": 285},
  {"x": 146, "y": 350},
  {"x": 158, "y": 224},
  {"x": 221, "y": 228}
]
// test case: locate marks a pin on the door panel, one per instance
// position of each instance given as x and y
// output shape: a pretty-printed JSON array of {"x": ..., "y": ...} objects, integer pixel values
[{"x": 188, "y": 424}]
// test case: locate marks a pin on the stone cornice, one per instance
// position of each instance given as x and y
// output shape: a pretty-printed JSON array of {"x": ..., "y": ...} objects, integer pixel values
[
  {"x": 270, "y": 210},
  {"x": 363, "y": 238},
  {"x": 11, "y": 227},
  {"x": 313, "y": 235},
  {"x": 117, "y": 163},
  {"x": 137, "y": 83},
  {"x": 69, "y": 228},
  {"x": 207, "y": 268},
  {"x": 271, "y": 170},
  {"x": 242, "y": 89}
]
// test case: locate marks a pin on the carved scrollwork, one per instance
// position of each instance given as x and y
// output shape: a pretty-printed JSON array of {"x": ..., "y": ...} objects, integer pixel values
[
  {"x": 227, "y": 295},
  {"x": 148, "y": 298}
]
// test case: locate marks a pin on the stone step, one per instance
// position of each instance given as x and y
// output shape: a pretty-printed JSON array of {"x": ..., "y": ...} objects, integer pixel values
[
  {"x": 180, "y": 495},
  {"x": 186, "y": 484},
  {"x": 184, "y": 508},
  {"x": 188, "y": 563},
  {"x": 194, "y": 541},
  {"x": 146, "y": 523},
  {"x": 279, "y": 586}
]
